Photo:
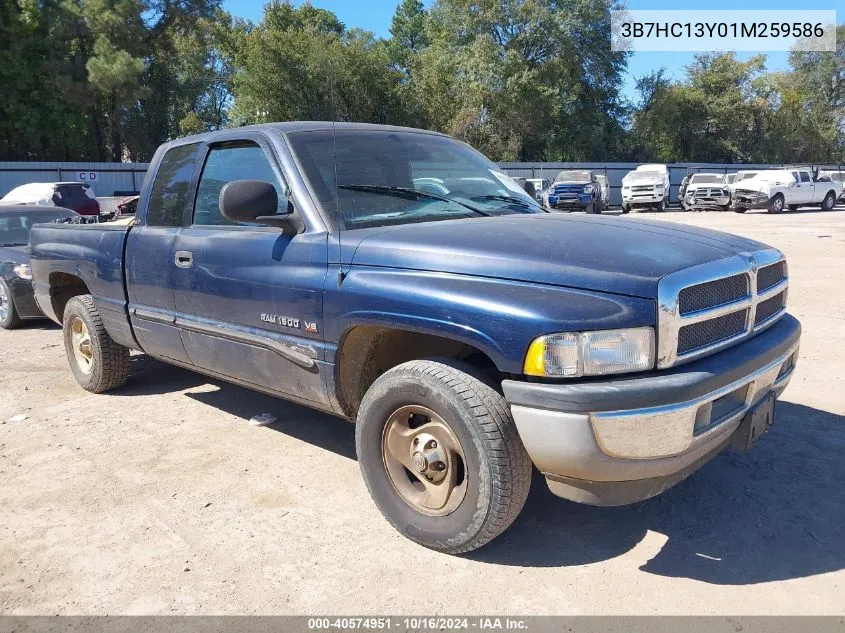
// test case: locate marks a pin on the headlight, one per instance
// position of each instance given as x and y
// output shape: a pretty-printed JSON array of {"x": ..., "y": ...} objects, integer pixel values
[
  {"x": 23, "y": 271},
  {"x": 589, "y": 189},
  {"x": 570, "y": 355}
]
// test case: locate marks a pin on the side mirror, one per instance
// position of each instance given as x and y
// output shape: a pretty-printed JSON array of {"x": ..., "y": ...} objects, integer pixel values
[{"x": 251, "y": 201}]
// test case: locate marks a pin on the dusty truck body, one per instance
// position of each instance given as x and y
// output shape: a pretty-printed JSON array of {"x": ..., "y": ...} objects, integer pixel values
[{"x": 399, "y": 279}]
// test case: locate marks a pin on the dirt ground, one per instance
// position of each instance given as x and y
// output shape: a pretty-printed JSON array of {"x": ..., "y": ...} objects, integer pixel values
[{"x": 161, "y": 498}]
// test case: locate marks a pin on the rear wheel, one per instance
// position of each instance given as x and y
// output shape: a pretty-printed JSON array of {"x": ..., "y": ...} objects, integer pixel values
[
  {"x": 9, "y": 318},
  {"x": 441, "y": 456},
  {"x": 793, "y": 207},
  {"x": 777, "y": 203},
  {"x": 97, "y": 362},
  {"x": 829, "y": 201},
  {"x": 740, "y": 209}
]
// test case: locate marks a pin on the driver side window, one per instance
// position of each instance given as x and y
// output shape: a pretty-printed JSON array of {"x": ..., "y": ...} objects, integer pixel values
[{"x": 243, "y": 160}]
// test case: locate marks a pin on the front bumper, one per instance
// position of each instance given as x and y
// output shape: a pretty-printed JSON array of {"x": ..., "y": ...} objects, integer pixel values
[
  {"x": 751, "y": 201},
  {"x": 706, "y": 202},
  {"x": 644, "y": 199},
  {"x": 618, "y": 440},
  {"x": 577, "y": 201}
]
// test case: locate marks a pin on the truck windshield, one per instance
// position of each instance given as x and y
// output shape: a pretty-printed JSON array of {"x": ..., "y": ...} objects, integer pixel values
[
  {"x": 16, "y": 225},
  {"x": 574, "y": 176},
  {"x": 366, "y": 178}
]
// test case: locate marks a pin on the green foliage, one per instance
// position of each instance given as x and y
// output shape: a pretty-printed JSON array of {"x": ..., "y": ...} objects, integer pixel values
[{"x": 518, "y": 79}]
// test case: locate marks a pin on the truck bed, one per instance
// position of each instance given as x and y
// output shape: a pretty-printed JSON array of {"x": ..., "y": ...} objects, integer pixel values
[{"x": 91, "y": 254}]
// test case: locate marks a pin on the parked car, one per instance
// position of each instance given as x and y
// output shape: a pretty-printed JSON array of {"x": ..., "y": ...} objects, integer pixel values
[
  {"x": 467, "y": 333},
  {"x": 574, "y": 190},
  {"x": 706, "y": 192},
  {"x": 16, "y": 299},
  {"x": 540, "y": 186},
  {"x": 604, "y": 192},
  {"x": 779, "y": 189},
  {"x": 645, "y": 189},
  {"x": 127, "y": 207},
  {"x": 77, "y": 196}
]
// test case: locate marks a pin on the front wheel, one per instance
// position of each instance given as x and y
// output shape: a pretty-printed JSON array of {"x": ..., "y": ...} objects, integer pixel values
[
  {"x": 626, "y": 208},
  {"x": 9, "y": 317},
  {"x": 777, "y": 204},
  {"x": 97, "y": 362},
  {"x": 662, "y": 206},
  {"x": 441, "y": 456}
]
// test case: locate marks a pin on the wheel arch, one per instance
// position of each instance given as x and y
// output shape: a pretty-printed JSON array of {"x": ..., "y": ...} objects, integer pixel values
[{"x": 367, "y": 350}]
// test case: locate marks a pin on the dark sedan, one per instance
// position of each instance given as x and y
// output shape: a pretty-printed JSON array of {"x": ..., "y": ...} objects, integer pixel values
[{"x": 16, "y": 300}]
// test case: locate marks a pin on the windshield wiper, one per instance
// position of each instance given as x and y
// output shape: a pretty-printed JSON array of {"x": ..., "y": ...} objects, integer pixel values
[
  {"x": 512, "y": 199},
  {"x": 409, "y": 194}
]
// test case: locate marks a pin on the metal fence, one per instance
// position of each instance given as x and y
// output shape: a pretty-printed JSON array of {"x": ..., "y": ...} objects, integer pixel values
[
  {"x": 107, "y": 179},
  {"x": 616, "y": 171},
  {"x": 118, "y": 179}
]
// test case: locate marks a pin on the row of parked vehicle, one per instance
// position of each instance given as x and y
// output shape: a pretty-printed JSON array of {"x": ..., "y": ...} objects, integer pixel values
[{"x": 648, "y": 187}]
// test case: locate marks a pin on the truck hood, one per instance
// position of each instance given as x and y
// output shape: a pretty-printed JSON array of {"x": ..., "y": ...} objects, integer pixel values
[
  {"x": 763, "y": 185},
  {"x": 642, "y": 181},
  {"x": 571, "y": 182},
  {"x": 706, "y": 185},
  {"x": 603, "y": 254}
]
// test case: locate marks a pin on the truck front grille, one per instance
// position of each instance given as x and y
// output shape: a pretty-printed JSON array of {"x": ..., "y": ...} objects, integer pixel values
[
  {"x": 712, "y": 294},
  {"x": 770, "y": 307},
  {"x": 704, "y": 333},
  {"x": 709, "y": 307},
  {"x": 768, "y": 276}
]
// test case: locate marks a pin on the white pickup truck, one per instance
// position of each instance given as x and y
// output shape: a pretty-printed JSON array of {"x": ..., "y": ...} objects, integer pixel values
[{"x": 779, "y": 189}]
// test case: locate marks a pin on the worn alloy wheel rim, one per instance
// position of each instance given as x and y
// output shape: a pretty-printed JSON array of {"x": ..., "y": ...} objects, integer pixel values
[
  {"x": 829, "y": 202},
  {"x": 4, "y": 303},
  {"x": 80, "y": 341},
  {"x": 778, "y": 204},
  {"x": 424, "y": 460}
]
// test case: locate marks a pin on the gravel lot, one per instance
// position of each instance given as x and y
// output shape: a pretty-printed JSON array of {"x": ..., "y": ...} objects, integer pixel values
[{"x": 161, "y": 498}]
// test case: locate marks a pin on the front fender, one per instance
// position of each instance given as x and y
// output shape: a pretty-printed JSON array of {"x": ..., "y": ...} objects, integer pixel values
[{"x": 499, "y": 317}]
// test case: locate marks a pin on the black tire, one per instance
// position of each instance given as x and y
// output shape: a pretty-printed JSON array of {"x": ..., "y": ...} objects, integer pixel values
[
  {"x": 11, "y": 319},
  {"x": 626, "y": 208},
  {"x": 592, "y": 208},
  {"x": 109, "y": 364},
  {"x": 497, "y": 467},
  {"x": 793, "y": 207},
  {"x": 662, "y": 206},
  {"x": 829, "y": 201},
  {"x": 777, "y": 203},
  {"x": 740, "y": 209}
]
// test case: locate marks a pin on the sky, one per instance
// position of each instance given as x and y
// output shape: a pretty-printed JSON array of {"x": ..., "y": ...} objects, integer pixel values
[{"x": 375, "y": 16}]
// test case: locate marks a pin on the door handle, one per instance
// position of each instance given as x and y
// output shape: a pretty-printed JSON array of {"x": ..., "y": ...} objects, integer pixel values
[{"x": 184, "y": 259}]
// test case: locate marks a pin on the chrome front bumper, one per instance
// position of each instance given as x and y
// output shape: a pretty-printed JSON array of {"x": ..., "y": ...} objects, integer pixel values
[{"x": 611, "y": 456}]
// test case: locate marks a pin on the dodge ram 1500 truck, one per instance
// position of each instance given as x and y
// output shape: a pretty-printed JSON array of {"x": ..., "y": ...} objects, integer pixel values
[{"x": 397, "y": 278}]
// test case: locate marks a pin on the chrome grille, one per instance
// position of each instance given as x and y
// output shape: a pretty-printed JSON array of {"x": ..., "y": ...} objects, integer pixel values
[
  {"x": 704, "y": 333},
  {"x": 770, "y": 307},
  {"x": 712, "y": 294},
  {"x": 768, "y": 276},
  {"x": 711, "y": 306}
]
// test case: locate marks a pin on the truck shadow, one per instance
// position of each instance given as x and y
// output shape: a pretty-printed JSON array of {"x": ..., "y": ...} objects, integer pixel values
[
  {"x": 150, "y": 377},
  {"x": 775, "y": 513},
  {"x": 772, "y": 514}
]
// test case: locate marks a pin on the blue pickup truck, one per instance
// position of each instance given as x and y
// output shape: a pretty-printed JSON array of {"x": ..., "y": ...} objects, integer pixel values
[{"x": 397, "y": 278}]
